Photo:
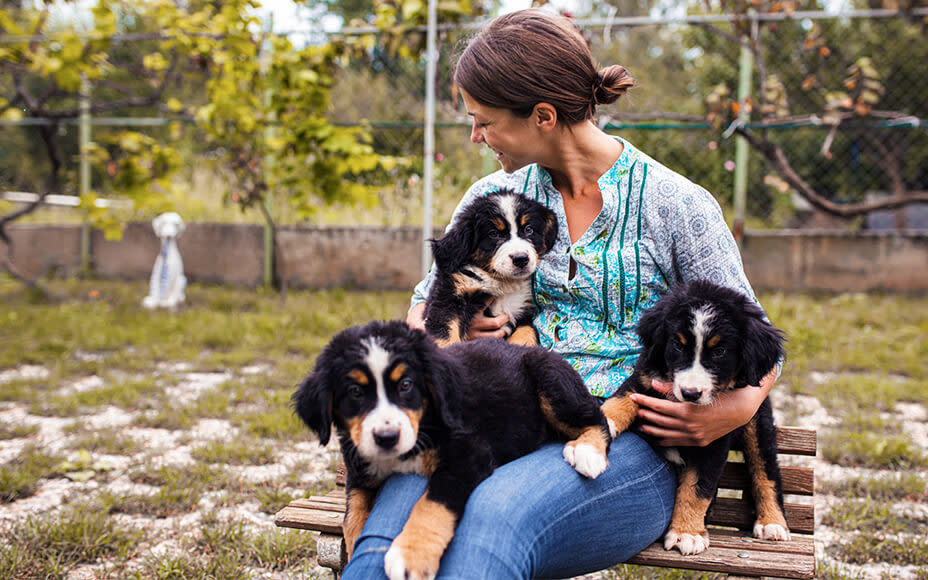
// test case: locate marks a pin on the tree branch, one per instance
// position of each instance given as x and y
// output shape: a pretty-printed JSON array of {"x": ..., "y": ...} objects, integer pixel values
[{"x": 774, "y": 155}]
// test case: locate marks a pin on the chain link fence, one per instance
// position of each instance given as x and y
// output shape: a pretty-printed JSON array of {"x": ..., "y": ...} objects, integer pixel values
[
  {"x": 676, "y": 66},
  {"x": 803, "y": 62}
]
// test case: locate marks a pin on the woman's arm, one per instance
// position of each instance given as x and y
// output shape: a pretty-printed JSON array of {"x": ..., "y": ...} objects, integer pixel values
[{"x": 688, "y": 424}]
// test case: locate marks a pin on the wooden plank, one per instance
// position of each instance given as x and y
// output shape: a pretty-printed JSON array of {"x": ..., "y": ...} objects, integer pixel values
[
  {"x": 798, "y": 544},
  {"x": 738, "y": 513},
  {"x": 310, "y": 519},
  {"x": 796, "y": 441},
  {"x": 740, "y": 560},
  {"x": 796, "y": 480}
]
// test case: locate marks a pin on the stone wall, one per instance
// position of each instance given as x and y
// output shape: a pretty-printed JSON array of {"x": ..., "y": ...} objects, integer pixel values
[{"x": 389, "y": 258}]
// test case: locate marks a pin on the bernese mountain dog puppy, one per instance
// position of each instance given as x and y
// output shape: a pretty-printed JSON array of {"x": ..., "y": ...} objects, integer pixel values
[
  {"x": 489, "y": 254},
  {"x": 401, "y": 404},
  {"x": 705, "y": 339}
]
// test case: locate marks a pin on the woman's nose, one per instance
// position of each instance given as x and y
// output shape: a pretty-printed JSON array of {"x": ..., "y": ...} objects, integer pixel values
[{"x": 476, "y": 136}]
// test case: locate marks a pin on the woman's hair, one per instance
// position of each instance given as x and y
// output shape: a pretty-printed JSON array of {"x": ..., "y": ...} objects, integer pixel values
[{"x": 532, "y": 56}]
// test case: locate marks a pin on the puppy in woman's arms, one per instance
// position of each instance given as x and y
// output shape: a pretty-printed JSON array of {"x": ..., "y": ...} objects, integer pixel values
[
  {"x": 704, "y": 339},
  {"x": 489, "y": 256},
  {"x": 400, "y": 404}
]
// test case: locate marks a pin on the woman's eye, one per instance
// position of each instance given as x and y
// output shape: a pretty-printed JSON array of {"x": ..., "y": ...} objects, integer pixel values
[{"x": 405, "y": 385}]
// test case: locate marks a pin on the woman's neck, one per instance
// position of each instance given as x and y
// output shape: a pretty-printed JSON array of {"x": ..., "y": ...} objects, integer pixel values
[{"x": 580, "y": 156}]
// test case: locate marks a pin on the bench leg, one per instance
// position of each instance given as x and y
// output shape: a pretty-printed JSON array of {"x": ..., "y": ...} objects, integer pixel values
[{"x": 331, "y": 553}]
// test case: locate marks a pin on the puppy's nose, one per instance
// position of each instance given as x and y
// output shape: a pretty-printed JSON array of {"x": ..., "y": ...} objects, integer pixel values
[
  {"x": 691, "y": 395},
  {"x": 519, "y": 260},
  {"x": 386, "y": 439}
]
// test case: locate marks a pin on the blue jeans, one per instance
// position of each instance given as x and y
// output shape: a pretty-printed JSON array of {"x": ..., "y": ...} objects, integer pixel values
[{"x": 536, "y": 517}]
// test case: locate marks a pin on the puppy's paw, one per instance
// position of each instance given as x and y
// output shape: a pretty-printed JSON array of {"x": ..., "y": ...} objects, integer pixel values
[
  {"x": 586, "y": 459},
  {"x": 687, "y": 544},
  {"x": 398, "y": 566},
  {"x": 613, "y": 430},
  {"x": 771, "y": 532}
]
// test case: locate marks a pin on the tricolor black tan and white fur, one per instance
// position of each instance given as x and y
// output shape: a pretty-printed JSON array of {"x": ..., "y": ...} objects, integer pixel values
[
  {"x": 489, "y": 255},
  {"x": 705, "y": 339},
  {"x": 401, "y": 404}
]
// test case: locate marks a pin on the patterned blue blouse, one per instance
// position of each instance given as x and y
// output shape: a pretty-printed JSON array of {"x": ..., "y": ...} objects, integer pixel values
[{"x": 656, "y": 229}]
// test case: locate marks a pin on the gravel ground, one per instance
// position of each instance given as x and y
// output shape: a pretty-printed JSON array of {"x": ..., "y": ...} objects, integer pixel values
[{"x": 159, "y": 447}]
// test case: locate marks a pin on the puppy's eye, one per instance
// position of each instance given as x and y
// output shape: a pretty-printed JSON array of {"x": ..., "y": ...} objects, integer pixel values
[
  {"x": 355, "y": 391},
  {"x": 719, "y": 352},
  {"x": 528, "y": 229},
  {"x": 405, "y": 385},
  {"x": 495, "y": 234}
]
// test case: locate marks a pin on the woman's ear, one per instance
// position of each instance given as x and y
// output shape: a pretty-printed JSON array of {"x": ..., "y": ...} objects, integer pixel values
[{"x": 544, "y": 116}]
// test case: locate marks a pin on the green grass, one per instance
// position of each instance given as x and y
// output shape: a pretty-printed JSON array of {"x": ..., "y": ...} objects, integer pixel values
[
  {"x": 871, "y": 347},
  {"x": 20, "y": 477},
  {"x": 48, "y": 546},
  {"x": 871, "y": 516},
  {"x": 893, "y": 487}
]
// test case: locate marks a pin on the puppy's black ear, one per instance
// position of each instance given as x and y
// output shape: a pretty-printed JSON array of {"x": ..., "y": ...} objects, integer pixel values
[
  {"x": 762, "y": 348},
  {"x": 455, "y": 247},
  {"x": 654, "y": 334},
  {"x": 442, "y": 379},
  {"x": 550, "y": 230},
  {"x": 313, "y": 404}
]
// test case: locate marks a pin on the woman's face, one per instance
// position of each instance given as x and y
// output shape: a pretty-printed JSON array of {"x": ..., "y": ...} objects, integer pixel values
[{"x": 512, "y": 139}]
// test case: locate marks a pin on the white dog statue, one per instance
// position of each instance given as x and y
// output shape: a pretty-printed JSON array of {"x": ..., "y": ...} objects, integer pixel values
[{"x": 166, "y": 289}]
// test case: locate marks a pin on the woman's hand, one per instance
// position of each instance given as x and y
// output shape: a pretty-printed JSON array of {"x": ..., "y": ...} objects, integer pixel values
[
  {"x": 691, "y": 425},
  {"x": 415, "y": 318},
  {"x": 483, "y": 326}
]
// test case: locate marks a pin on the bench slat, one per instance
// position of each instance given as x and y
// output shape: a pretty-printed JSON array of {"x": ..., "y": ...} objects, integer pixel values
[
  {"x": 793, "y": 559},
  {"x": 738, "y": 513},
  {"x": 796, "y": 441},
  {"x": 796, "y": 480}
]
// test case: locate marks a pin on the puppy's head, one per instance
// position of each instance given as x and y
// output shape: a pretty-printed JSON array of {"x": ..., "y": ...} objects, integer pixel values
[
  {"x": 707, "y": 338},
  {"x": 503, "y": 233},
  {"x": 168, "y": 225},
  {"x": 377, "y": 383}
]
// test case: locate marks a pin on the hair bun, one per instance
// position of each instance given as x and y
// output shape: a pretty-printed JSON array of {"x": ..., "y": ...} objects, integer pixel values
[{"x": 613, "y": 82}]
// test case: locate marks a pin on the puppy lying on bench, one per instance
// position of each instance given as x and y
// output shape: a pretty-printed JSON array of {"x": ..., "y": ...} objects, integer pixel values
[
  {"x": 402, "y": 405},
  {"x": 705, "y": 339}
]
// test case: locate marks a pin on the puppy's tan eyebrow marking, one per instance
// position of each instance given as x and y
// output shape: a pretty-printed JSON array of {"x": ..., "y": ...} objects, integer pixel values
[
  {"x": 397, "y": 373},
  {"x": 524, "y": 219},
  {"x": 682, "y": 338},
  {"x": 358, "y": 376},
  {"x": 499, "y": 224},
  {"x": 714, "y": 341}
]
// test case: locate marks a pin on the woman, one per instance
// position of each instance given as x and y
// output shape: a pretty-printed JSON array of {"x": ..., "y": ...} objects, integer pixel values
[{"x": 629, "y": 229}]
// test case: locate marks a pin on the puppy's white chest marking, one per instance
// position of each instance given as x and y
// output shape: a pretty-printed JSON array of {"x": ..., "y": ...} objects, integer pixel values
[
  {"x": 513, "y": 303},
  {"x": 381, "y": 469}
]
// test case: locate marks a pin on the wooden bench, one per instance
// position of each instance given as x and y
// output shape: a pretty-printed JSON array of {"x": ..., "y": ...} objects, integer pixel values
[{"x": 732, "y": 550}]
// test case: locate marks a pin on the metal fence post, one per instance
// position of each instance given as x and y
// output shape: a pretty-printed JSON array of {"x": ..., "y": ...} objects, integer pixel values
[
  {"x": 429, "y": 145},
  {"x": 268, "y": 158},
  {"x": 745, "y": 66},
  {"x": 84, "y": 170}
]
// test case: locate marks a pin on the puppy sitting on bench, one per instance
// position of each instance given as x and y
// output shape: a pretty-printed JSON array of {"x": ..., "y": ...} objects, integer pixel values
[{"x": 705, "y": 339}]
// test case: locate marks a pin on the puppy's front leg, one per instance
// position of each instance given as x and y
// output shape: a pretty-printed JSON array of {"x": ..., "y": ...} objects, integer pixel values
[
  {"x": 687, "y": 530},
  {"x": 761, "y": 457},
  {"x": 360, "y": 502},
  {"x": 416, "y": 553},
  {"x": 620, "y": 412}
]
